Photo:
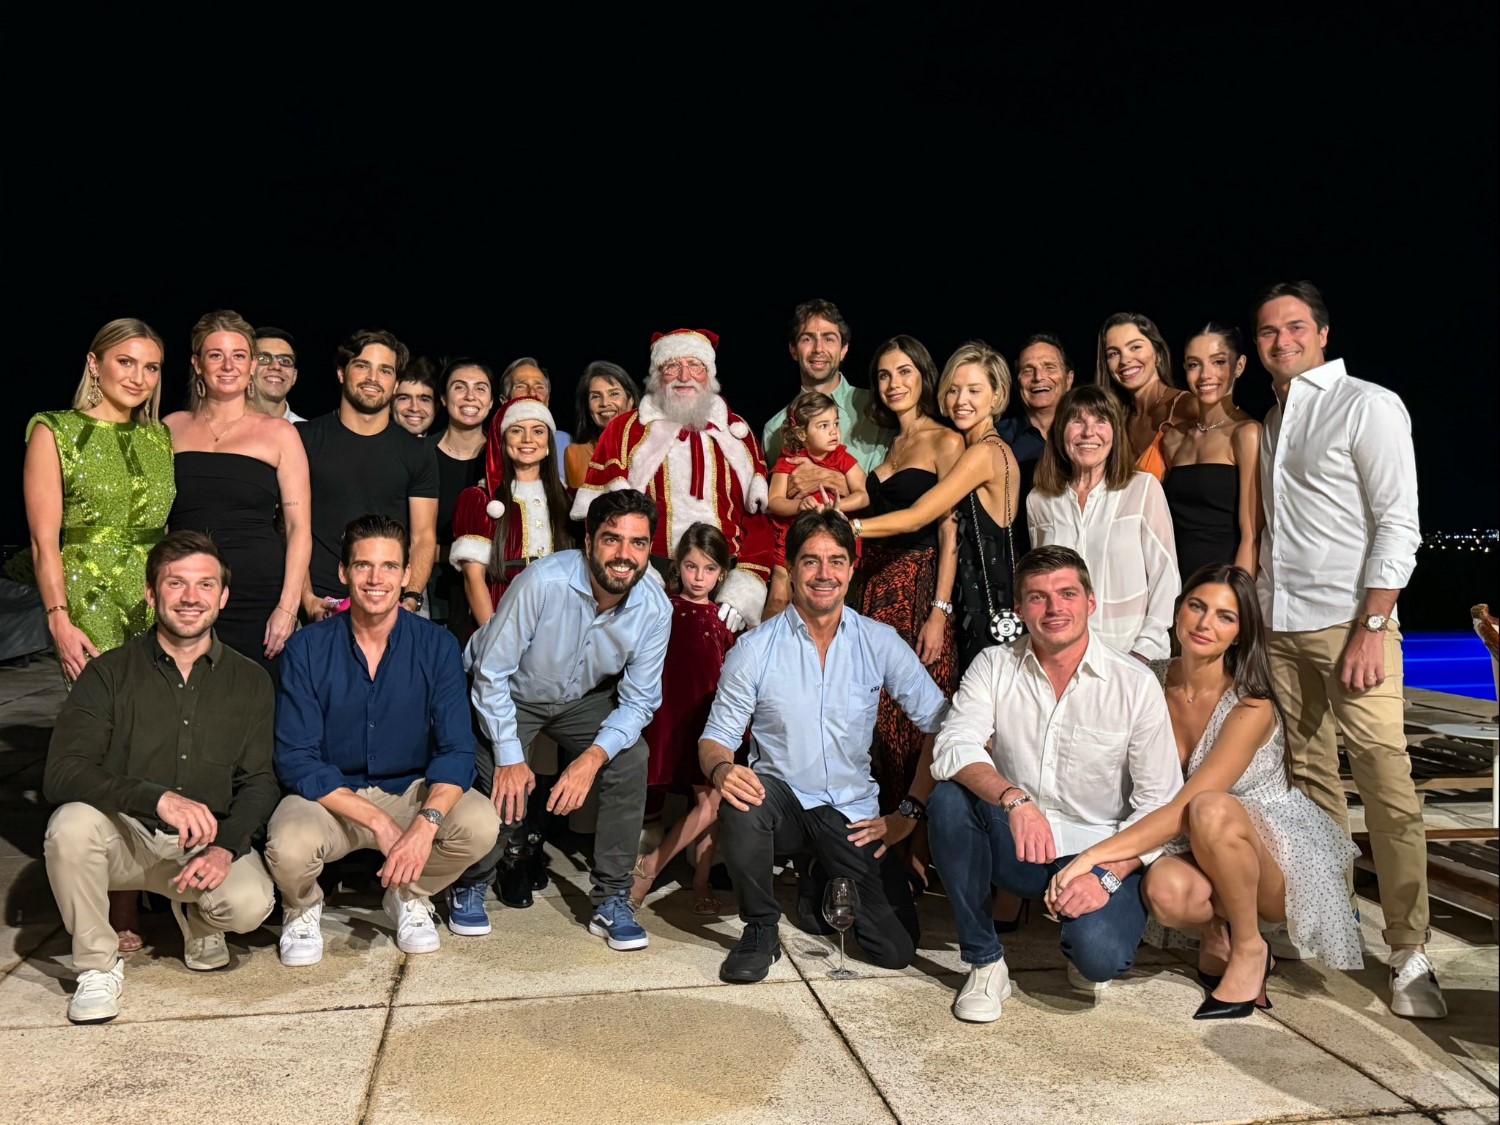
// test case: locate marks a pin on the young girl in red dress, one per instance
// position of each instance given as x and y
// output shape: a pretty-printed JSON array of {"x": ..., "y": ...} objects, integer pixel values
[
  {"x": 695, "y": 655},
  {"x": 810, "y": 433}
]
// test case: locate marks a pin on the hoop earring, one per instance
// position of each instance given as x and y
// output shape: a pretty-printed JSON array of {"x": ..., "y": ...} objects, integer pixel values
[
  {"x": 96, "y": 393},
  {"x": 200, "y": 386}
]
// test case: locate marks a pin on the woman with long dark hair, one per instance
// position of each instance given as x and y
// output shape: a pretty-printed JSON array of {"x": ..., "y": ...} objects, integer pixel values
[
  {"x": 1135, "y": 365},
  {"x": 468, "y": 396},
  {"x": 1243, "y": 845},
  {"x": 605, "y": 391}
]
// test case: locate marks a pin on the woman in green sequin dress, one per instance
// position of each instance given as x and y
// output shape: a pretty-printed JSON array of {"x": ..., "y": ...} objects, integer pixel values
[{"x": 98, "y": 489}]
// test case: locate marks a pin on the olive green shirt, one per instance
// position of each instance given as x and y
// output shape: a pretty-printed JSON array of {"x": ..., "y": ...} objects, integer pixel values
[
  {"x": 866, "y": 442},
  {"x": 132, "y": 729}
]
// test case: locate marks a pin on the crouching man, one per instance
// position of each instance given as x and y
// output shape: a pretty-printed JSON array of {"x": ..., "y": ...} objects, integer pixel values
[
  {"x": 373, "y": 740},
  {"x": 161, "y": 762}
]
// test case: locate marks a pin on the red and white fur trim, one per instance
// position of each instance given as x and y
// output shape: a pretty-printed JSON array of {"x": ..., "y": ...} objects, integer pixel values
[{"x": 746, "y": 593}]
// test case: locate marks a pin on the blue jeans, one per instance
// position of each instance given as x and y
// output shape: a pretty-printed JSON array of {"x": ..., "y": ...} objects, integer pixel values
[{"x": 974, "y": 852}]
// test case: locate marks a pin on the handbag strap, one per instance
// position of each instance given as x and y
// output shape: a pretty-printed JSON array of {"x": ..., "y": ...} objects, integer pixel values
[{"x": 1010, "y": 549}]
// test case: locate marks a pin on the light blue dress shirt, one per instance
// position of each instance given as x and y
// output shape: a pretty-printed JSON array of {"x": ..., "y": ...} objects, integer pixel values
[
  {"x": 548, "y": 643},
  {"x": 811, "y": 724}
]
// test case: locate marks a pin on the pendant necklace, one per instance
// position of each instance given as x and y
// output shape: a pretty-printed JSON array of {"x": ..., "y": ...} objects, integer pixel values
[
  {"x": 1202, "y": 429},
  {"x": 227, "y": 428}
]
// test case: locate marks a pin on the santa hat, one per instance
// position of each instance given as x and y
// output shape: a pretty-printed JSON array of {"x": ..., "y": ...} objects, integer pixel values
[
  {"x": 523, "y": 408},
  {"x": 685, "y": 343}
]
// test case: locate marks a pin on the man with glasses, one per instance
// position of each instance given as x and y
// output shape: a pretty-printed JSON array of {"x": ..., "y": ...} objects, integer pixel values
[
  {"x": 275, "y": 373},
  {"x": 698, "y": 460}
]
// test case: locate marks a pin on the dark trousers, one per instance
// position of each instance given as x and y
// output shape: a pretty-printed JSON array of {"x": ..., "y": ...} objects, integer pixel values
[
  {"x": 885, "y": 922},
  {"x": 621, "y": 784},
  {"x": 974, "y": 852}
]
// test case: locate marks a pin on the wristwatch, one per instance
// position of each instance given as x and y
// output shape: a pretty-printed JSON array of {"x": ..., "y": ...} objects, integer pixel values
[
  {"x": 412, "y": 596},
  {"x": 912, "y": 809},
  {"x": 946, "y": 607},
  {"x": 1109, "y": 880},
  {"x": 1375, "y": 622},
  {"x": 432, "y": 816}
]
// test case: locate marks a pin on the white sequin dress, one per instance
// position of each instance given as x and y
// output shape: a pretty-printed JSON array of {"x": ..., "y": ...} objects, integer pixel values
[{"x": 1311, "y": 850}]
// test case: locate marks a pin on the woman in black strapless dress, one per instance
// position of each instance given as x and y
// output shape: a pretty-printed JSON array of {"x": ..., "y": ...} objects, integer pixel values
[{"x": 1213, "y": 479}]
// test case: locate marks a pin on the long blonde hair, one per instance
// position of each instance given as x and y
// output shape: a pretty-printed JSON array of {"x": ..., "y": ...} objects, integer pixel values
[{"x": 112, "y": 335}]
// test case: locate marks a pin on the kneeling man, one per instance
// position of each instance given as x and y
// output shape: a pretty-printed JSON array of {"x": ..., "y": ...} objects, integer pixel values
[
  {"x": 807, "y": 685},
  {"x": 161, "y": 760},
  {"x": 373, "y": 740},
  {"x": 1082, "y": 746}
]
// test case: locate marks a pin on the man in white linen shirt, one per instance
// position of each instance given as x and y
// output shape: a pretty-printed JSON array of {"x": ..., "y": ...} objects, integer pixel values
[
  {"x": 1339, "y": 485},
  {"x": 1082, "y": 747}
]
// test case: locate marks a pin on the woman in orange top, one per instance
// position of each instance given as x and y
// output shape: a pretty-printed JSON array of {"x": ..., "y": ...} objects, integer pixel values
[{"x": 1135, "y": 364}]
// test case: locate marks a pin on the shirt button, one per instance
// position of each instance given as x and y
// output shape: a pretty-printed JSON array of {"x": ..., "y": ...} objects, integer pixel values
[
  {"x": 184, "y": 722},
  {"x": 184, "y": 757}
]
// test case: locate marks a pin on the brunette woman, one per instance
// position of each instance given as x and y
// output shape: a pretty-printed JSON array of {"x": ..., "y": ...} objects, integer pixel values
[
  {"x": 467, "y": 388},
  {"x": 604, "y": 392},
  {"x": 1135, "y": 364}
]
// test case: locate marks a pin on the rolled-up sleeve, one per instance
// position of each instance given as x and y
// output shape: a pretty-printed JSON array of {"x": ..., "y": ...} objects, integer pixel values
[
  {"x": 1385, "y": 461},
  {"x": 970, "y": 722},
  {"x": 734, "y": 702},
  {"x": 453, "y": 761},
  {"x": 493, "y": 655},
  {"x": 301, "y": 763},
  {"x": 1155, "y": 771},
  {"x": 640, "y": 688}
]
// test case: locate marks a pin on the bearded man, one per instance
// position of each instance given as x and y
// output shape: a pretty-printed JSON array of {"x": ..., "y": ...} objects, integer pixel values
[{"x": 698, "y": 460}]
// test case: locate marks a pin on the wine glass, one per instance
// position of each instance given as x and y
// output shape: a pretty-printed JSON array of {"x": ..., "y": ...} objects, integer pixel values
[{"x": 840, "y": 901}]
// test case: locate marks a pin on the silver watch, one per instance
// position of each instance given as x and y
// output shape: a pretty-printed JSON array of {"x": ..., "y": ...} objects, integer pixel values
[
  {"x": 432, "y": 816},
  {"x": 1374, "y": 622},
  {"x": 946, "y": 607}
]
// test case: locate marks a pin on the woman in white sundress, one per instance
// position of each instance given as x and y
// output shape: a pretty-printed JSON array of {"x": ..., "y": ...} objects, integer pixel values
[{"x": 1241, "y": 846}]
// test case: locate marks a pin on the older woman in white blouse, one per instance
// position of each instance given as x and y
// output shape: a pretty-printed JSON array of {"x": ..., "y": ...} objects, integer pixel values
[{"x": 1089, "y": 496}]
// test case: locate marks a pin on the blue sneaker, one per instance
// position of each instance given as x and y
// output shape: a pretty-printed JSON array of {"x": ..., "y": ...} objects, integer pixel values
[
  {"x": 615, "y": 922},
  {"x": 466, "y": 916}
]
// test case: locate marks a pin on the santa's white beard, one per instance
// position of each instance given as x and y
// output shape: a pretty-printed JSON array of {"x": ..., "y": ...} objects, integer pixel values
[{"x": 690, "y": 413}]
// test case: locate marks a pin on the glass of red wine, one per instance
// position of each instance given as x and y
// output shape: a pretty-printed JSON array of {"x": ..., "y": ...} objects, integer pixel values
[{"x": 840, "y": 902}]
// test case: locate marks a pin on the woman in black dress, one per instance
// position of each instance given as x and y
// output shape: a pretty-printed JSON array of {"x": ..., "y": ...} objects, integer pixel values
[{"x": 1213, "y": 484}]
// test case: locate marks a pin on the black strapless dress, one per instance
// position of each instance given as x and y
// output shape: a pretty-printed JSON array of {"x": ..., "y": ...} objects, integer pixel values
[
  {"x": 1205, "y": 504},
  {"x": 234, "y": 499},
  {"x": 972, "y": 609}
]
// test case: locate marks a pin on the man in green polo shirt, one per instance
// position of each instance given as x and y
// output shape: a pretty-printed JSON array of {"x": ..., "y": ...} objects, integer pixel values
[{"x": 818, "y": 339}]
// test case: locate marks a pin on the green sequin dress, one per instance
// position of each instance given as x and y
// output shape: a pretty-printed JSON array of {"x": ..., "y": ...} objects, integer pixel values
[{"x": 117, "y": 491}]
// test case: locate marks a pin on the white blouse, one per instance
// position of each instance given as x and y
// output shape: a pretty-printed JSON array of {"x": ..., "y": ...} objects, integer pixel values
[
  {"x": 537, "y": 538},
  {"x": 1125, "y": 538}
]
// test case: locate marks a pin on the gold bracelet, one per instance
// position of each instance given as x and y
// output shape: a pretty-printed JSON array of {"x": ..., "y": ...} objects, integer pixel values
[
  {"x": 290, "y": 613},
  {"x": 56, "y": 609}
]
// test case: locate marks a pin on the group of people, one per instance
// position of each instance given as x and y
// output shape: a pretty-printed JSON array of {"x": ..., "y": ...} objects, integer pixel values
[{"x": 904, "y": 635}]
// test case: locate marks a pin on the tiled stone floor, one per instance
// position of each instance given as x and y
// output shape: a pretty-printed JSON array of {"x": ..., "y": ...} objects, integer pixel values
[{"x": 540, "y": 1023}]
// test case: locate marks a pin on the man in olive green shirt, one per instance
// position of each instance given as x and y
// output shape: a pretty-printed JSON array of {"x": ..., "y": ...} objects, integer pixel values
[
  {"x": 818, "y": 339},
  {"x": 161, "y": 763}
]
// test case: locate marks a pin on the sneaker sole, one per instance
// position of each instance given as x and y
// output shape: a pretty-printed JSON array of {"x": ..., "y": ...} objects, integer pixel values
[
  {"x": 409, "y": 947},
  {"x": 615, "y": 943},
  {"x": 84, "y": 1021},
  {"x": 301, "y": 960},
  {"x": 751, "y": 979},
  {"x": 469, "y": 929},
  {"x": 206, "y": 966},
  {"x": 1401, "y": 1006},
  {"x": 999, "y": 1005}
]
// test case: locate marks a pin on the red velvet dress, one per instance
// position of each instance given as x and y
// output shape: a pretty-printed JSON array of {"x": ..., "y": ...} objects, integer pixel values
[{"x": 695, "y": 656}]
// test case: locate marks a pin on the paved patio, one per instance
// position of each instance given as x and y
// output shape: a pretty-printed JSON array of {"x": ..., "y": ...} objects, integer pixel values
[{"x": 541, "y": 1023}]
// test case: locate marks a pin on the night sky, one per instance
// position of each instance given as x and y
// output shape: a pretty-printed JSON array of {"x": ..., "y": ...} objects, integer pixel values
[{"x": 565, "y": 189}]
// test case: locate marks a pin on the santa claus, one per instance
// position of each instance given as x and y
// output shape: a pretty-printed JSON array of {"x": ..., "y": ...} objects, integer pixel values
[{"x": 698, "y": 460}]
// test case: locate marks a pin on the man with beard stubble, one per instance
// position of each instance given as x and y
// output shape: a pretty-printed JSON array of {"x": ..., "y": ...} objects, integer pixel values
[{"x": 360, "y": 463}]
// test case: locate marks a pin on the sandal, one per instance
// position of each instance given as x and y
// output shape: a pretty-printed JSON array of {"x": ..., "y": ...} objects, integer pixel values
[
  {"x": 128, "y": 941},
  {"x": 708, "y": 905},
  {"x": 637, "y": 872}
]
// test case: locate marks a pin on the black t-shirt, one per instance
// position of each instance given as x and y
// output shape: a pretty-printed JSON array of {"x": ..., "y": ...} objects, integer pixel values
[
  {"x": 453, "y": 477},
  {"x": 352, "y": 476}
]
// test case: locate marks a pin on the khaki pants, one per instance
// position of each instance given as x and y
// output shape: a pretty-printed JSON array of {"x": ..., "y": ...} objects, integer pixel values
[
  {"x": 1305, "y": 671},
  {"x": 90, "y": 853},
  {"x": 303, "y": 836}
]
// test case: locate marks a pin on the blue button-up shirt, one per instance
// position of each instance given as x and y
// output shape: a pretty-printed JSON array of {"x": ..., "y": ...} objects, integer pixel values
[
  {"x": 548, "y": 643},
  {"x": 338, "y": 727},
  {"x": 810, "y": 722}
]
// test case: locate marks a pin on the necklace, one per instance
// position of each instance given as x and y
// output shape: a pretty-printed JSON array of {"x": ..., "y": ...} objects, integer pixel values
[
  {"x": 227, "y": 428},
  {"x": 896, "y": 453},
  {"x": 1202, "y": 429}
]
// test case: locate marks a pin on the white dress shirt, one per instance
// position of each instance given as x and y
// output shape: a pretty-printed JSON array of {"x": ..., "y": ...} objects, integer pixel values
[
  {"x": 1094, "y": 761},
  {"x": 1125, "y": 538},
  {"x": 1338, "y": 479}
]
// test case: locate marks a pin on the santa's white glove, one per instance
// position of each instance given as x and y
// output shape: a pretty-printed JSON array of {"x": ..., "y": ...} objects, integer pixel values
[{"x": 732, "y": 618}]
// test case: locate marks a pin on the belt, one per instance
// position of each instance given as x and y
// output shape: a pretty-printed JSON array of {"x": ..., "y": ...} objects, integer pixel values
[{"x": 119, "y": 536}]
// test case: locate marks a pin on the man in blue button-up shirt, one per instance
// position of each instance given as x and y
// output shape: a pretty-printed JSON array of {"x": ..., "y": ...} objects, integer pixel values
[
  {"x": 373, "y": 738},
  {"x": 807, "y": 684},
  {"x": 575, "y": 651}
]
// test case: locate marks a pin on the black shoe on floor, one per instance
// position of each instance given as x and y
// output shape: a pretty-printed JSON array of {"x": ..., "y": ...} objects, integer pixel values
[
  {"x": 751, "y": 959},
  {"x": 513, "y": 887},
  {"x": 536, "y": 866},
  {"x": 810, "y": 886}
]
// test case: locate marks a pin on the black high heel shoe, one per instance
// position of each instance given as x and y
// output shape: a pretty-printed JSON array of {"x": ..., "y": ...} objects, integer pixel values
[
  {"x": 1011, "y": 925},
  {"x": 1213, "y": 1008}
]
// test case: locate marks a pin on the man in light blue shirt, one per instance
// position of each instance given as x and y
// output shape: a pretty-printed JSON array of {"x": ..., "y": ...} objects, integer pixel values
[
  {"x": 574, "y": 651},
  {"x": 807, "y": 684}
]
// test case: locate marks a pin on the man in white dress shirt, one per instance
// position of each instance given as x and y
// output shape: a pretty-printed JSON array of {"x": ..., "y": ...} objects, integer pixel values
[
  {"x": 1082, "y": 747},
  {"x": 1339, "y": 485}
]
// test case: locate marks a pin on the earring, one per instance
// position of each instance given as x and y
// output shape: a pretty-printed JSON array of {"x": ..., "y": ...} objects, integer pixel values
[
  {"x": 200, "y": 386},
  {"x": 96, "y": 393}
]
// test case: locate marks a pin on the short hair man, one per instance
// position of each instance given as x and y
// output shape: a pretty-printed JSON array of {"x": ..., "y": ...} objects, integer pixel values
[
  {"x": 818, "y": 340},
  {"x": 161, "y": 762},
  {"x": 1043, "y": 374},
  {"x": 1053, "y": 743},
  {"x": 414, "y": 404},
  {"x": 807, "y": 685},
  {"x": 1339, "y": 485},
  {"x": 275, "y": 373},
  {"x": 525, "y": 377},
  {"x": 374, "y": 741},
  {"x": 359, "y": 463},
  {"x": 575, "y": 651}
]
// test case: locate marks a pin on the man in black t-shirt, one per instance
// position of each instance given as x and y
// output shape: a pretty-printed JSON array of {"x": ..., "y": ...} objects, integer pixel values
[{"x": 359, "y": 463}]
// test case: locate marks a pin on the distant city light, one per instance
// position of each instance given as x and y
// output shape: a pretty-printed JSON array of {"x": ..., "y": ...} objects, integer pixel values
[{"x": 1474, "y": 539}]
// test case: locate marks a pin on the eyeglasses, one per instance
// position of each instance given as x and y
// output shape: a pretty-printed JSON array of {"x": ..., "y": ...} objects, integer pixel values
[
  {"x": 678, "y": 367},
  {"x": 265, "y": 359}
]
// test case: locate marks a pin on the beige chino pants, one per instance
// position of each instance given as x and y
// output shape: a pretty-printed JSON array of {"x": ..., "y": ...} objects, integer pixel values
[
  {"x": 303, "y": 836},
  {"x": 1305, "y": 672},
  {"x": 90, "y": 853}
]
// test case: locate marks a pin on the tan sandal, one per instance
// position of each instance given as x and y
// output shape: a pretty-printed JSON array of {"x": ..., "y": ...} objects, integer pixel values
[
  {"x": 128, "y": 941},
  {"x": 638, "y": 872},
  {"x": 708, "y": 905}
]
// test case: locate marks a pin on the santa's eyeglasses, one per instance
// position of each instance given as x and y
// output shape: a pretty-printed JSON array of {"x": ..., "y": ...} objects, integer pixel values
[{"x": 684, "y": 366}]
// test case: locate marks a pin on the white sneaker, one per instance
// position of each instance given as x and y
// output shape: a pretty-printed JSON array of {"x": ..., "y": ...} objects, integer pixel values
[
  {"x": 97, "y": 997},
  {"x": 982, "y": 994},
  {"x": 1414, "y": 987},
  {"x": 302, "y": 935},
  {"x": 1083, "y": 984},
  {"x": 412, "y": 917},
  {"x": 201, "y": 954}
]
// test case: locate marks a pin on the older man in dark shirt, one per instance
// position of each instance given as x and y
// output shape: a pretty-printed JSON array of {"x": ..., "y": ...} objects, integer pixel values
[
  {"x": 374, "y": 740},
  {"x": 161, "y": 762}
]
